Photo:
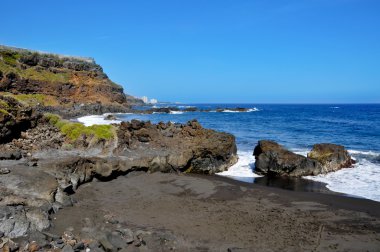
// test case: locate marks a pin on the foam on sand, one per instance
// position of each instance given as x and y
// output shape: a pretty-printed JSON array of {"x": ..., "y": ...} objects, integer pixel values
[
  {"x": 96, "y": 119},
  {"x": 243, "y": 169},
  {"x": 363, "y": 180}
]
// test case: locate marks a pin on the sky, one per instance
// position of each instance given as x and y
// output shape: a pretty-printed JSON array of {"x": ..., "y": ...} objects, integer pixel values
[{"x": 196, "y": 51}]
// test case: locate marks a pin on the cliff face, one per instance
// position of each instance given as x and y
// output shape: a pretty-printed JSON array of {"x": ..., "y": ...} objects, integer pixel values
[{"x": 56, "y": 80}]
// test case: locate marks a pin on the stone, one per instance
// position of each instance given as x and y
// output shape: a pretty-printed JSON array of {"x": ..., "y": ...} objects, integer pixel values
[
  {"x": 127, "y": 235},
  {"x": 38, "y": 238},
  {"x": 79, "y": 246},
  {"x": 110, "y": 117},
  {"x": 273, "y": 159},
  {"x": 107, "y": 245},
  {"x": 39, "y": 220},
  {"x": 332, "y": 156},
  {"x": 4, "y": 171},
  {"x": 67, "y": 248},
  {"x": 33, "y": 247},
  {"x": 116, "y": 240}
]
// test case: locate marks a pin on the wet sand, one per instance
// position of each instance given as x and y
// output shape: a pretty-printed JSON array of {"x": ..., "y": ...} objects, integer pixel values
[{"x": 211, "y": 213}]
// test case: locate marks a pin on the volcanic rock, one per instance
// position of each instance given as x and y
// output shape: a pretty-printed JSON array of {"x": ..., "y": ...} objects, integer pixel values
[
  {"x": 273, "y": 159},
  {"x": 332, "y": 157}
]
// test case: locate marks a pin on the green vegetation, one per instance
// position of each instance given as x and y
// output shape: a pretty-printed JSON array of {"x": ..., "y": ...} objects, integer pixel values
[
  {"x": 32, "y": 99},
  {"x": 4, "y": 104},
  {"x": 36, "y": 73},
  {"x": 9, "y": 57},
  {"x": 3, "y": 111},
  {"x": 73, "y": 131},
  {"x": 10, "y": 62}
]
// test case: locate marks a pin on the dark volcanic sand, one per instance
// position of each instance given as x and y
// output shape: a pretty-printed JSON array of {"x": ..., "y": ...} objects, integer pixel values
[{"x": 206, "y": 213}]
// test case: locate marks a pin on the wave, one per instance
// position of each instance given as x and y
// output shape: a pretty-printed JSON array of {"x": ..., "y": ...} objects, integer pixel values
[
  {"x": 243, "y": 170},
  {"x": 362, "y": 180},
  {"x": 176, "y": 112},
  {"x": 335, "y": 107},
  {"x": 96, "y": 119}
]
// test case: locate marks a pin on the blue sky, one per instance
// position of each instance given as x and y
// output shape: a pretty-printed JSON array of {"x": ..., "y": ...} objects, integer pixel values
[{"x": 248, "y": 51}]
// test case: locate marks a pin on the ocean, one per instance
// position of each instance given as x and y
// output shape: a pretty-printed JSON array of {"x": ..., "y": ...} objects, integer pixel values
[{"x": 297, "y": 127}]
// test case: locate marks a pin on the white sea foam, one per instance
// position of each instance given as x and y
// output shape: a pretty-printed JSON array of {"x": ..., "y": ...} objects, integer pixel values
[
  {"x": 243, "y": 169},
  {"x": 176, "y": 112},
  {"x": 365, "y": 153},
  {"x": 335, "y": 107},
  {"x": 362, "y": 180},
  {"x": 96, "y": 119}
]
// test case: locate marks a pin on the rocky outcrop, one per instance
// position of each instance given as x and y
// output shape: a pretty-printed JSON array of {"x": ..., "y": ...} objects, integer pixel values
[
  {"x": 14, "y": 118},
  {"x": 332, "y": 157},
  {"x": 56, "y": 80},
  {"x": 273, "y": 159},
  {"x": 175, "y": 147}
]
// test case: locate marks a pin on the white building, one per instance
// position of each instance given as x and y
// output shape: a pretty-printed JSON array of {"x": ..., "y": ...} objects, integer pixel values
[{"x": 153, "y": 101}]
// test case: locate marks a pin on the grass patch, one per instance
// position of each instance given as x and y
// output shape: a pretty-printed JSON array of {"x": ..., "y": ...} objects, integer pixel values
[
  {"x": 9, "y": 57},
  {"x": 8, "y": 65},
  {"x": 44, "y": 75},
  {"x": 33, "y": 99},
  {"x": 4, "y": 104},
  {"x": 73, "y": 131},
  {"x": 3, "y": 111}
]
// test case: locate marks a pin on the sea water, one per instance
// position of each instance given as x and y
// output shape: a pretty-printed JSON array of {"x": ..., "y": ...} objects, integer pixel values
[{"x": 297, "y": 127}]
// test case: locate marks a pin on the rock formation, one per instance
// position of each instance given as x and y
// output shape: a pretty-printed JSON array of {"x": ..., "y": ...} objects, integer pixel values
[
  {"x": 332, "y": 157},
  {"x": 56, "y": 81},
  {"x": 273, "y": 159},
  {"x": 175, "y": 147},
  {"x": 14, "y": 118}
]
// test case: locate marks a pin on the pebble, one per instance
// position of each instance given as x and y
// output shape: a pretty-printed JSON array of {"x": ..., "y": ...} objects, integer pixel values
[
  {"x": 67, "y": 248},
  {"x": 4, "y": 171}
]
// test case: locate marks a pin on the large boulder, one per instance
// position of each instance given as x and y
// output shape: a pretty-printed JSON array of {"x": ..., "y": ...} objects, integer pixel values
[
  {"x": 332, "y": 157},
  {"x": 273, "y": 159},
  {"x": 168, "y": 147}
]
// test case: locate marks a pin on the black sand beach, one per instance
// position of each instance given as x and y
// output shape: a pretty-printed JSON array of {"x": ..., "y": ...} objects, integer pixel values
[{"x": 210, "y": 213}]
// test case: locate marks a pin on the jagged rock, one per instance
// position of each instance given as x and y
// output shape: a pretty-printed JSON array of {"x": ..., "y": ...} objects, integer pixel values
[
  {"x": 332, "y": 157},
  {"x": 273, "y": 159},
  {"x": 14, "y": 118},
  {"x": 175, "y": 147},
  {"x": 110, "y": 117}
]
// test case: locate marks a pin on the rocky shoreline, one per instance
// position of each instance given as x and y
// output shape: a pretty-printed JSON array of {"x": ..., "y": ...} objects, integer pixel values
[
  {"x": 138, "y": 186},
  {"x": 41, "y": 167}
]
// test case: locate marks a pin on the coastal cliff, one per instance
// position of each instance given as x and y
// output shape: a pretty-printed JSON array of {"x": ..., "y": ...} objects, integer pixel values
[{"x": 58, "y": 83}]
